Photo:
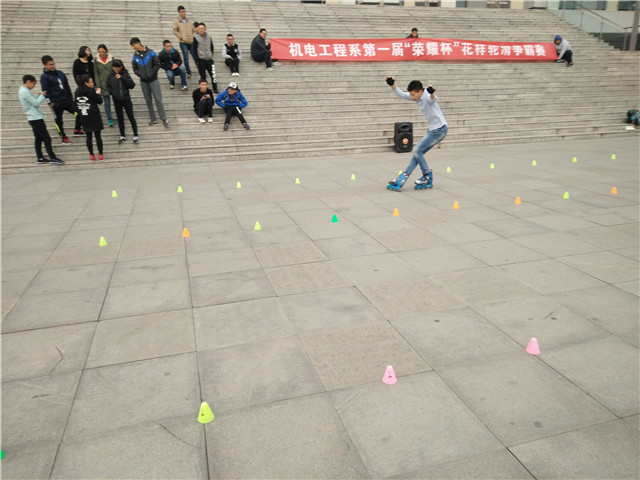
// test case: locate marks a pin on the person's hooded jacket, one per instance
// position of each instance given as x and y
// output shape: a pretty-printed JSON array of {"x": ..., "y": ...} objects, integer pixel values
[
  {"x": 146, "y": 65},
  {"x": 56, "y": 85},
  {"x": 119, "y": 87},
  {"x": 224, "y": 99},
  {"x": 102, "y": 70},
  {"x": 562, "y": 47}
]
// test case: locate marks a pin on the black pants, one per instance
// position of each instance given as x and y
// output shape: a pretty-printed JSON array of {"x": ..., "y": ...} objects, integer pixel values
[
  {"x": 231, "y": 110},
  {"x": 41, "y": 134},
  {"x": 263, "y": 56},
  {"x": 233, "y": 64},
  {"x": 568, "y": 56},
  {"x": 98, "y": 141},
  {"x": 208, "y": 66},
  {"x": 204, "y": 108},
  {"x": 128, "y": 107},
  {"x": 58, "y": 108}
]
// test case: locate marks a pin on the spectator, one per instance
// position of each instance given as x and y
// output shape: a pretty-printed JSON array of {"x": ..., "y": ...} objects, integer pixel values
[
  {"x": 232, "y": 55},
  {"x": 261, "y": 50},
  {"x": 414, "y": 33},
  {"x": 203, "y": 50},
  {"x": 102, "y": 69},
  {"x": 83, "y": 64},
  {"x": 54, "y": 83},
  {"x": 203, "y": 101},
  {"x": 87, "y": 99},
  {"x": 146, "y": 65},
  {"x": 171, "y": 62},
  {"x": 184, "y": 30},
  {"x": 35, "y": 117},
  {"x": 563, "y": 49},
  {"x": 232, "y": 101},
  {"x": 119, "y": 82}
]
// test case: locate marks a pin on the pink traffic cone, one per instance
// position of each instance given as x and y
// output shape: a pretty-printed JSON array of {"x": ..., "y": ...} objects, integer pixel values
[
  {"x": 533, "y": 348},
  {"x": 389, "y": 376}
]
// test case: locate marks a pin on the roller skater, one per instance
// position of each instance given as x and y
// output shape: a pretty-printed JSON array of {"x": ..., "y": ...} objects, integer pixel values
[{"x": 428, "y": 105}]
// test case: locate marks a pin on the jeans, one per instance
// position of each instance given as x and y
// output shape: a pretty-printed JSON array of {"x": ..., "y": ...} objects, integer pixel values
[
  {"x": 186, "y": 48},
  {"x": 171, "y": 75},
  {"x": 128, "y": 107},
  {"x": 430, "y": 140},
  {"x": 41, "y": 136},
  {"x": 107, "y": 107},
  {"x": 149, "y": 89}
]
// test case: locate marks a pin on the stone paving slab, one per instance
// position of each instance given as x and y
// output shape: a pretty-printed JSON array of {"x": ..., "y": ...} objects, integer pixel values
[{"x": 107, "y": 351}]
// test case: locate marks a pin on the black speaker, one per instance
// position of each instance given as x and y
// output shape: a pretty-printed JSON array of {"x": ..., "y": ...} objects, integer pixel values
[{"x": 403, "y": 137}]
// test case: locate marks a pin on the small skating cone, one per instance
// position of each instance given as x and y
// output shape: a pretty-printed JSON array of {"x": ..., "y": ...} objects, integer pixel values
[
  {"x": 334, "y": 219},
  {"x": 534, "y": 163},
  {"x": 614, "y": 191},
  {"x": 448, "y": 169},
  {"x": 185, "y": 233},
  {"x": 399, "y": 172},
  {"x": 180, "y": 189},
  {"x": 566, "y": 195},
  {"x": 575, "y": 160},
  {"x": 353, "y": 176},
  {"x": 456, "y": 205},
  {"x": 492, "y": 166},
  {"x": 518, "y": 201},
  {"x": 238, "y": 185},
  {"x": 103, "y": 242},
  {"x": 257, "y": 226},
  {"x": 389, "y": 376},
  {"x": 114, "y": 194},
  {"x": 297, "y": 181},
  {"x": 613, "y": 156},
  {"x": 533, "y": 348},
  {"x": 205, "y": 415},
  {"x": 396, "y": 213}
]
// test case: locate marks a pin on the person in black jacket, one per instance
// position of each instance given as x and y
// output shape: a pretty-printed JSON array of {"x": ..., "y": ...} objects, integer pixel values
[
  {"x": 146, "y": 65},
  {"x": 203, "y": 101},
  {"x": 261, "y": 50},
  {"x": 87, "y": 101},
  {"x": 119, "y": 82},
  {"x": 83, "y": 65},
  {"x": 55, "y": 83},
  {"x": 171, "y": 62}
]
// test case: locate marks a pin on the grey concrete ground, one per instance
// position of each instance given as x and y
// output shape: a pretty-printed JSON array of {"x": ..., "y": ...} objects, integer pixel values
[{"x": 107, "y": 351}]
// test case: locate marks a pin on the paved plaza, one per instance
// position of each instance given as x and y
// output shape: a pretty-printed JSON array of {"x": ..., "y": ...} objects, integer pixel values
[{"x": 284, "y": 320}]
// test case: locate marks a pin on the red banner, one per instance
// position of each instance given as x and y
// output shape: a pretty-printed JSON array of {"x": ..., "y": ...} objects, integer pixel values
[{"x": 407, "y": 49}]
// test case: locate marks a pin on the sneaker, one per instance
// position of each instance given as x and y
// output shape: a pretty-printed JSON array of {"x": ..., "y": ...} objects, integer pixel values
[
  {"x": 184, "y": 88},
  {"x": 110, "y": 123},
  {"x": 269, "y": 69},
  {"x": 276, "y": 62},
  {"x": 153, "y": 122},
  {"x": 166, "y": 124},
  {"x": 171, "y": 87},
  {"x": 189, "y": 75},
  {"x": 122, "y": 139},
  {"x": 560, "y": 60},
  {"x": 246, "y": 126},
  {"x": 78, "y": 132},
  {"x": 226, "y": 126},
  {"x": 57, "y": 161},
  {"x": 66, "y": 141},
  {"x": 201, "y": 120},
  {"x": 210, "y": 119},
  {"x": 570, "y": 64},
  {"x": 42, "y": 161},
  {"x": 92, "y": 158},
  {"x": 100, "y": 156},
  {"x": 135, "y": 139}
]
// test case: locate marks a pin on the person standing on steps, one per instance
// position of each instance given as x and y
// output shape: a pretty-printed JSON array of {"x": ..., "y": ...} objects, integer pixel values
[
  {"x": 102, "y": 70},
  {"x": 183, "y": 29},
  {"x": 88, "y": 97},
  {"x": 119, "y": 82},
  {"x": 55, "y": 84},
  {"x": 428, "y": 106},
  {"x": 35, "y": 117},
  {"x": 146, "y": 65},
  {"x": 203, "y": 49}
]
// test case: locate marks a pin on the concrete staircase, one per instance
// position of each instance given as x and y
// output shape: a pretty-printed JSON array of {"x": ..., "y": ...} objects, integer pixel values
[{"x": 319, "y": 109}]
